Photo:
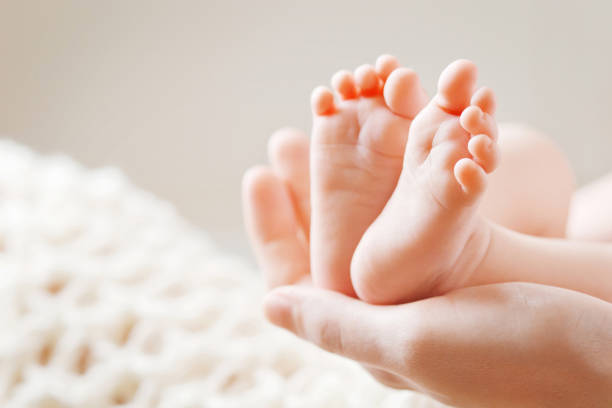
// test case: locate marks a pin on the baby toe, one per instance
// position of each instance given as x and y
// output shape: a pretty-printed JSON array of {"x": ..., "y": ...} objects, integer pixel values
[
  {"x": 343, "y": 83},
  {"x": 484, "y": 151},
  {"x": 404, "y": 94},
  {"x": 367, "y": 80},
  {"x": 322, "y": 101},
  {"x": 385, "y": 65}
]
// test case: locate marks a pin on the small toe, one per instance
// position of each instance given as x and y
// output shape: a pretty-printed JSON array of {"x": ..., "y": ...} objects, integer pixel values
[
  {"x": 484, "y": 98},
  {"x": 385, "y": 65},
  {"x": 404, "y": 94},
  {"x": 322, "y": 101},
  {"x": 456, "y": 86},
  {"x": 475, "y": 121},
  {"x": 367, "y": 80},
  {"x": 471, "y": 177},
  {"x": 343, "y": 83},
  {"x": 485, "y": 152}
]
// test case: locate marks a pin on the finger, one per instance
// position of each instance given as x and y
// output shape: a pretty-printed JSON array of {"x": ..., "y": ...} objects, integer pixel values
[
  {"x": 289, "y": 150},
  {"x": 489, "y": 335},
  {"x": 340, "y": 324},
  {"x": 273, "y": 227}
]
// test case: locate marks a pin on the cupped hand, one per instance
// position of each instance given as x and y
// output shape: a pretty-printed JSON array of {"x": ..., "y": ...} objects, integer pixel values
[{"x": 505, "y": 345}]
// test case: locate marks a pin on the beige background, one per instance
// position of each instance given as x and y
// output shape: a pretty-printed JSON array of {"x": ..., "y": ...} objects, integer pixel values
[{"x": 183, "y": 94}]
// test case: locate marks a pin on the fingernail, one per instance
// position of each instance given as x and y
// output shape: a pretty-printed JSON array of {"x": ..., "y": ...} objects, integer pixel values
[{"x": 278, "y": 310}]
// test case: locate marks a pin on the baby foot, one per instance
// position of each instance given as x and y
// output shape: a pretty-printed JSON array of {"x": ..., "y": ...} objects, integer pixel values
[
  {"x": 430, "y": 238},
  {"x": 357, "y": 148}
]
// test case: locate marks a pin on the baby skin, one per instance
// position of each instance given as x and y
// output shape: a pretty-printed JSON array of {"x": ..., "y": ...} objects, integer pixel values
[
  {"x": 427, "y": 237},
  {"x": 356, "y": 152},
  {"x": 430, "y": 228},
  {"x": 359, "y": 149}
]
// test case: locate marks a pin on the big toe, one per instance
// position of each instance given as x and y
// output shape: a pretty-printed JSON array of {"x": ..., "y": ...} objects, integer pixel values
[
  {"x": 404, "y": 94},
  {"x": 456, "y": 86}
]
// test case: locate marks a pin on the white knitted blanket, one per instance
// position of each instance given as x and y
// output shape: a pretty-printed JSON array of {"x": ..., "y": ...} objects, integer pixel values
[{"x": 108, "y": 298}]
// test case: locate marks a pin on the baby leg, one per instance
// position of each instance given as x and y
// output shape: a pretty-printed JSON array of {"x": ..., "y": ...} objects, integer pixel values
[
  {"x": 590, "y": 212},
  {"x": 531, "y": 190}
]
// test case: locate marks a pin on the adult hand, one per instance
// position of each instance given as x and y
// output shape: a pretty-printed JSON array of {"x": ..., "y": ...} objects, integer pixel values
[{"x": 503, "y": 345}]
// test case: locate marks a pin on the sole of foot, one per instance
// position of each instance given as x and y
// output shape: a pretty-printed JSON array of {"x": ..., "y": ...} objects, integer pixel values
[
  {"x": 357, "y": 146},
  {"x": 429, "y": 238}
]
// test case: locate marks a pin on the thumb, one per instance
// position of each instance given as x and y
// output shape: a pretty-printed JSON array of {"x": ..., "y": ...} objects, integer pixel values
[{"x": 342, "y": 325}]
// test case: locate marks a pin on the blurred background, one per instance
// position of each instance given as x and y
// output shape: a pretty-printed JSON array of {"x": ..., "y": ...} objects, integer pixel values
[{"x": 182, "y": 95}]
